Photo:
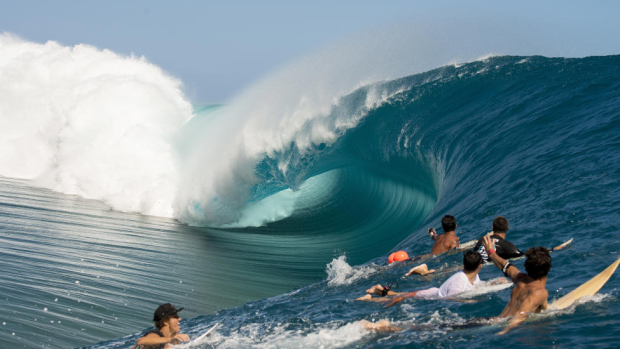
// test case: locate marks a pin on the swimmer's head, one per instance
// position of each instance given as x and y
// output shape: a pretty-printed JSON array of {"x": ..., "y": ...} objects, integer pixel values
[
  {"x": 500, "y": 224},
  {"x": 537, "y": 262},
  {"x": 472, "y": 260},
  {"x": 448, "y": 223}
]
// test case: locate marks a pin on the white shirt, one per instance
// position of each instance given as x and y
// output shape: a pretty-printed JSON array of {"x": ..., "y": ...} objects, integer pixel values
[{"x": 457, "y": 283}]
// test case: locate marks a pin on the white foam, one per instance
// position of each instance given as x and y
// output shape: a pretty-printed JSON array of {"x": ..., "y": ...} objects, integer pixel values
[
  {"x": 100, "y": 125},
  {"x": 339, "y": 272},
  {"x": 90, "y": 122},
  {"x": 328, "y": 335}
]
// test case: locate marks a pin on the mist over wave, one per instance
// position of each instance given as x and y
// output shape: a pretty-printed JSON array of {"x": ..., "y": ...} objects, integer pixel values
[
  {"x": 85, "y": 121},
  {"x": 345, "y": 174},
  {"x": 89, "y": 122}
]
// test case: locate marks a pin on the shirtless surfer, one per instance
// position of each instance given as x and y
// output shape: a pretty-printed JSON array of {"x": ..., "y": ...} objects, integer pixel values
[
  {"x": 448, "y": 240},
  {"x": 444, "y": 242},
  {"x": 529, "y": 294}
]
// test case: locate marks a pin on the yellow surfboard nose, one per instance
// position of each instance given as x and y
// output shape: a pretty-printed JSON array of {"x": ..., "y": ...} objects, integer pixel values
[{"x": 589, "y": 288}]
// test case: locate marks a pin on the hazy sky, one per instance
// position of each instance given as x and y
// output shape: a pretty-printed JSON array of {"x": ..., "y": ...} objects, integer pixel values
[{"x": 219, "y": 48}]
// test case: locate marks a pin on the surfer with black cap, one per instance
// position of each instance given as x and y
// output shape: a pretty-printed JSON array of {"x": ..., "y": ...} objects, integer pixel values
[{"x": 166, "y": 330}]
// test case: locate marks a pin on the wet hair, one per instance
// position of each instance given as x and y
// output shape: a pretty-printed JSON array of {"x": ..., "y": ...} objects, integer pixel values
[
  {"x": 160, "y": 324},
  {"x": 448, "y": 223},
  {"x": 471, "y": 260},
  {"x": 537, "y": 262},
  {"x": 500, "y": 224}
]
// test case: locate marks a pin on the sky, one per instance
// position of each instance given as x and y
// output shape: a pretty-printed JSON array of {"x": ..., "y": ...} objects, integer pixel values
[{"x": 219, "y": 48}]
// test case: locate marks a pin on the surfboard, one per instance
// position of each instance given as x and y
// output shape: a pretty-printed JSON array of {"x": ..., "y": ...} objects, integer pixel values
[
  {"x": 470, "y": 244},
  {"x": 589, "y": 288},
  {"x": 208, "y": 332},
  {"x": 467, "y": 245},
  {"x": 559, "y": 247}
]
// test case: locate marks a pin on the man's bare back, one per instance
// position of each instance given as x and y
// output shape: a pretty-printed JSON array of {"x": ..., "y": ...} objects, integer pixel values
[
  {"x": 445, "y": 242},
  {"x": 529, "y": 294}
]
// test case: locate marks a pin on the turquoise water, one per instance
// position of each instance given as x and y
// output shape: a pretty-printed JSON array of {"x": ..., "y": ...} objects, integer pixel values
[{"x": 532, "y": 138}]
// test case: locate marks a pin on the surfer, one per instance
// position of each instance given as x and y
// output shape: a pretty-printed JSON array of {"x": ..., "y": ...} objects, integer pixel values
[
  {"x": 166, "y": 320},
  {"x": 505, "y": 249},
  {"x": 529, "y": 294},
  {"x": 464, "y": 280},
  {"x": 446, "y": 241}
]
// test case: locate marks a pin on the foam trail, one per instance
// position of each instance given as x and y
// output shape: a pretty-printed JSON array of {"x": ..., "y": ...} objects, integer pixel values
[{"x": 90, "y": 122}]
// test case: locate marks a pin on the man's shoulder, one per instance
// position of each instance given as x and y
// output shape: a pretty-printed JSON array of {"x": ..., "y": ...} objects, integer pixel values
[
  {"x": 539, "y": 295},
  {"x": 456, "y": 276}
]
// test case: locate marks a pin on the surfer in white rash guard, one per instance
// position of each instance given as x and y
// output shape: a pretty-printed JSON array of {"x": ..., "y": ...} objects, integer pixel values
[{"x": 460, "y": 282}]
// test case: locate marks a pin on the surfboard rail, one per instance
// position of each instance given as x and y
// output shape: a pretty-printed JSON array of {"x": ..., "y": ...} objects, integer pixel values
[{"x": 588, "y": 288}]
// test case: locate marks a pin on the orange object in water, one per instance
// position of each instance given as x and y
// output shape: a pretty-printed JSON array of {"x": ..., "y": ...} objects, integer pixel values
[
  {"x": 400, "y": 256},
  {"x": 391, "y": 258}
]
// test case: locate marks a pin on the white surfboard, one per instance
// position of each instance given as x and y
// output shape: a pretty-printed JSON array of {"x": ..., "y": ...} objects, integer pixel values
[
  {"x": 208, "y": 332},
  {"x": 470, "y": 244}
]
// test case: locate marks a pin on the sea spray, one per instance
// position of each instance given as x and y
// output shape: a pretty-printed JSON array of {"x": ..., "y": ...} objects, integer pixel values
[{"x": 90, "y": 122}]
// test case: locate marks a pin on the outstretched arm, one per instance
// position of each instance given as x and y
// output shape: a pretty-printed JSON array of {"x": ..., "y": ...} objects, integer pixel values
[
  {"x": 399, "y": 299},
  {"x": 378, "y": 290},
  {"x": 153, "y": 339}
]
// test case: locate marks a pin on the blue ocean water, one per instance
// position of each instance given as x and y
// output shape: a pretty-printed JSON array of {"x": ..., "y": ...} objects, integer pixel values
[{"x": 535, "y": 139}]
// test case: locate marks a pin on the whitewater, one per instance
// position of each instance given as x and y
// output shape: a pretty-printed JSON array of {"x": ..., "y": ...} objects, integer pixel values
[
  {"x": 147, "y": 150},
  {"x": 271, "y": 213}
]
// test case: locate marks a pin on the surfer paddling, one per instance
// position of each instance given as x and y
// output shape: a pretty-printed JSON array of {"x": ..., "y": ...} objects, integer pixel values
[
  {"x": 529, "y": 294},
  {"x": 444, "y": 242},
  {"x": 504, "y": 248},
  {"x": 464, "y": 280},
  {"x": 167, "y": 330}
]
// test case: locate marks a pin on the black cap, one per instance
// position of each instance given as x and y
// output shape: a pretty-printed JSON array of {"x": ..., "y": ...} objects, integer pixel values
[{"x": 165, "y": 310}]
